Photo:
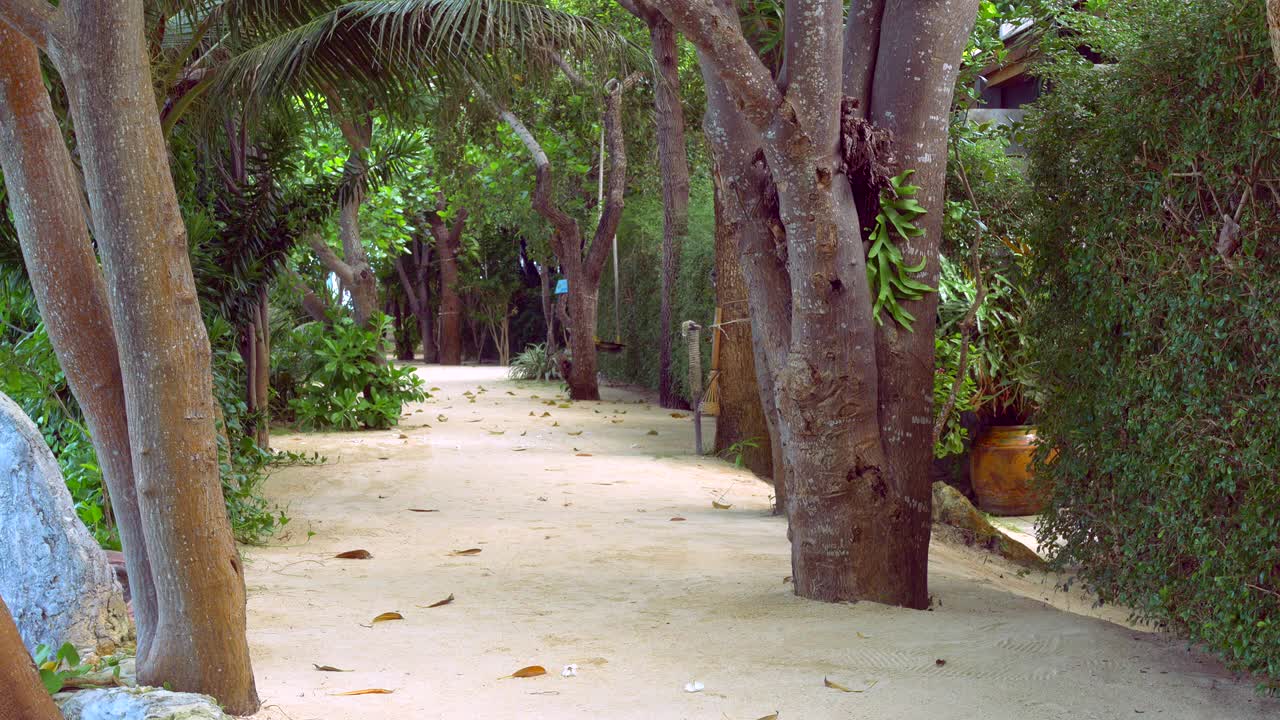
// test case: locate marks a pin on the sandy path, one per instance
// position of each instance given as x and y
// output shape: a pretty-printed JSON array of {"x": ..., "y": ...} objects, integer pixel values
[{"x": 581, "y": 563}]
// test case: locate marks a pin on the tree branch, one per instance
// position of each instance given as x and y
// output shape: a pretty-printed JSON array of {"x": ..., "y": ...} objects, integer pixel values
[
  {"x": 36, "y": 19},
  {"x": 719, "y": 37},
  {"x": 861, "y": 47},
  {"x": 616, "y": 182},
  {"x": 407, "y": 284},
  {"x": 565, "y": 235},
  {"x": 330, "y": 259},
  {"x": 568, "y": 70}
]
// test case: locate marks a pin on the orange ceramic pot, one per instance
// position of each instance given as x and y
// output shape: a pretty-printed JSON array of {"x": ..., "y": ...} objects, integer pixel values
[{"x": 1000, "y": 470}]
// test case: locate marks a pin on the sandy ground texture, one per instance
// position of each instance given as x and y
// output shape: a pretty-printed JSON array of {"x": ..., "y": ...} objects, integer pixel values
[{"x": 583, "y": 561}]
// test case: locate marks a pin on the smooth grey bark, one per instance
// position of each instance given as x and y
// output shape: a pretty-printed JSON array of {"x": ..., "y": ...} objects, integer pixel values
[
  {"x": 48, "y": 208},
  {"x": 853, "y": 402},
  {"x": 199, "y": 641}
]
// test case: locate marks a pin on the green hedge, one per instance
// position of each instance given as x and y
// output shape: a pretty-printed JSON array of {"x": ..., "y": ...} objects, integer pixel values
[
  {"x": 640, "y": 275},
  {"x": 1160, "y": 356}
]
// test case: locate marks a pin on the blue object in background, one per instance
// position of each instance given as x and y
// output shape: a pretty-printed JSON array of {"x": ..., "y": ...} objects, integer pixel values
[{"x": 562, "y": 287}]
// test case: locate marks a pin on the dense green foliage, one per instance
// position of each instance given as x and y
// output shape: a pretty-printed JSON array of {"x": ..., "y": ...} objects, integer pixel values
[
  {"x": 339, "y": 385},
  {"x": 1158, "y": 331}
]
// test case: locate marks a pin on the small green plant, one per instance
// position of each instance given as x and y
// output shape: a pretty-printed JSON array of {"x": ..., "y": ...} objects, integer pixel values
[
  {"x": 953, "y": 437},
  {"x": 344, "y": 387},
  {"x": 888, "y": 275},
  {"x": 56, "y": 668},
  {"x": 735, "y": 453},
  {"x": 534, "y": 363}
]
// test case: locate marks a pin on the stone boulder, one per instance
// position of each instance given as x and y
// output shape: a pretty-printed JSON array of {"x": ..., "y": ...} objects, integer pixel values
[
  {"x": 131, "y": 703},
  {"x": 952, "y": 509},
  {"x": 53, "y": 576}
]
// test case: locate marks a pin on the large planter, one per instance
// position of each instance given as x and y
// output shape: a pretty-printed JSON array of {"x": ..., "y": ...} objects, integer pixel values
[{"x": 1000, "y": 470}]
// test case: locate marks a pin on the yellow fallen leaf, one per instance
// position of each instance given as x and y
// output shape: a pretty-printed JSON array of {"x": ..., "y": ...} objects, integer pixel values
[
  {"x": 526, "y": 672},
  {"x": 545, "y": 414},
  {"x": 354, "y": 555},
  {"x": 366, "y": 691},
  {"x": 442, "y": 418},
  {"x": 576, "y": 432},
  {"x": 564, "y": 405},
  {"x": 769, "y": 717},
  {"x": 435, "y": 389},
  {"x": 468, "y": 551},
  {"x": 678, "y": 415},
  {"x": 719, "y": 505},
  {"x": 497, "y": 432},
  {"x": 837, "y": 686},
  {"x": 384, "y": 617}
]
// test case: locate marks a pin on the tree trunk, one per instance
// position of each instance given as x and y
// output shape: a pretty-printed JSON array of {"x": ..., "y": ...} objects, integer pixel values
[
  {"x": 853, "y": 402},
  {"x": 262, "y": 401},
  {"x": 426, "y": 325},
  {"x": 581, "y": 262},
  {"x": 48, "y": 210},
  {"x": 448, "y": 247},
  {"x": 548, "y": 312},
  {"x": 1273, "y": 25},
  {"x": 362, "y": 285},
  {"x": 674, "y": 162},
  {"x": 24, "y": 695},
  {"x": 742, "y": 415},
  {"x": 199, "y": 643},
  {"x": 582, "y": 380}
]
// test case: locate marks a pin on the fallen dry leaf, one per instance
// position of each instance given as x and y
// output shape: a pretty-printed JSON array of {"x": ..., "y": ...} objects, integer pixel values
[
  {"x": 615, "y": 421},
  {"x": 652, "y": 432},
  {"x": 402, "y": 436},
  {"x": 583, "y": 455},
  {"x": 366, "y": 691},
  {"x": 939, "y": 662},
  {"x": 719, "y": 505},
  {"x": 835, "y": 685},
  {"x": 497, "y": 432},
  {"x": 678, "y": 415},
  {"x": 384, "y": 617},
  {"x": 354, "y": 555},
  {"x": 576, "y": 432},
  {"x": 329, "y": 668},
  {"x": 563, "y": 405},
  {"x": 526, "y": 672},
  {"x": 439, "y": 603},
  {"x": 422, "y": 510},
  {"x": 678, "y": 519},
  {"x": 468, "y": 551},
  {"x": 442, "y": 418},
  {"x": 435, "y": 389},
  {"x": 769, "y": 717},
  {"x": 545, "y": 414}
]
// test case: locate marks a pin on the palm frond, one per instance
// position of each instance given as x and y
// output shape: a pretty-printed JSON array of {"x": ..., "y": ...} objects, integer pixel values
[{"x": 388, "y": 50}]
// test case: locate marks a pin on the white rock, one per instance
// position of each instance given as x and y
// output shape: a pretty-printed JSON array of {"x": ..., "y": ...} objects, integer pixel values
[
  {"x": 138, "y": 704},
  {"x": 694, "y": 686},
  {"x": 570, "y": 670},
  {"x": 53, "y": 576}
]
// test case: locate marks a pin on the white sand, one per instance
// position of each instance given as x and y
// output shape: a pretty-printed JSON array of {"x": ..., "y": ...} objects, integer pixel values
[{"x": 581, "y": 563}]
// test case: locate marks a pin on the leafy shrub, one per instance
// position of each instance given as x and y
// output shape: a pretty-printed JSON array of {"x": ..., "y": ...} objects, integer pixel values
[
  {"x": 341, "y": 385},
  {"x": 1158, "y": 334},
  {"x": 533, "y": 363},
  {"x": 31, "y": 376}
]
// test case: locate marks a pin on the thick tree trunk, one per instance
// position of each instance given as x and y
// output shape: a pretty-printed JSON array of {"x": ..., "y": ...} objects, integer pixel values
[
  {"x": 448, "y": 247},
  {"x": 44, "y": 195},
  {"x": 853, "y": 402},
  {"x": 582, "y": 380},
  {"x": 199, "y": 643},
  {"x": 742, "y": 415},
  {"x": 426, "y": 323},
  {"x": 24, "y": 695}
]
